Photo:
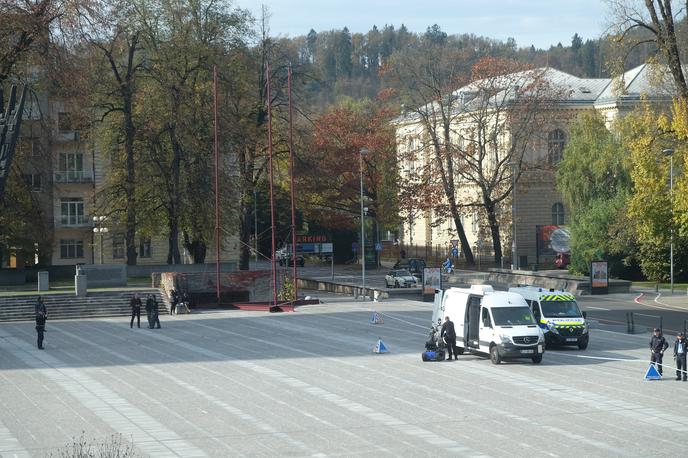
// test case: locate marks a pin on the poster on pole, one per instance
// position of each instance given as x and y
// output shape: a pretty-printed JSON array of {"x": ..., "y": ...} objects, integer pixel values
[
  {"x": 432, "y": 280},
  {"x": 599, "y": 277}
]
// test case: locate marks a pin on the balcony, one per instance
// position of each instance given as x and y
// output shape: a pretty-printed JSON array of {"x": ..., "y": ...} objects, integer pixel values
[
  {"x": 75, "y": 221},
  {"x": 73, "y": 176}
]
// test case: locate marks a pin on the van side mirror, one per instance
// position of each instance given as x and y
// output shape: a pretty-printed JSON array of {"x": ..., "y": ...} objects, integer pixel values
[{"x": 585, "y": 314}]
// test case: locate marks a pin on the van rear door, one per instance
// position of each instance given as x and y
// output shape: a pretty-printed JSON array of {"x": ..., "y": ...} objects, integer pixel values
[{"x": 472, "y": 321}]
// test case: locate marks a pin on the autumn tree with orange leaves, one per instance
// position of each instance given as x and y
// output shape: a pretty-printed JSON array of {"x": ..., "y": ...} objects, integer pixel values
[{"x": 329, "y": 183}]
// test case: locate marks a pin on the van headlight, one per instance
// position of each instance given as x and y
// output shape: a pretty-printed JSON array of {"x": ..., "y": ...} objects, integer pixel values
[
  {"x": 506, "y": 338},
  {"x": 552, "y": 327},
  {"x": 585, "y": 328},
  {"x": 541, "y": 337}
]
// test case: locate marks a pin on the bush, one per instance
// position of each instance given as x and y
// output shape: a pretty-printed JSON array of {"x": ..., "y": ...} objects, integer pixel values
[{"x": 113, "y": 446}]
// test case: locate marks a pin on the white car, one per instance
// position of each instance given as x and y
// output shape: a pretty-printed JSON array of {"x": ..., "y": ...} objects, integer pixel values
[{"x": 400, "y": 279}]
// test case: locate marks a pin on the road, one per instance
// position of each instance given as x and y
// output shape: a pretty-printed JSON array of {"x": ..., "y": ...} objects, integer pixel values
[{"x": 239, "y": 383}]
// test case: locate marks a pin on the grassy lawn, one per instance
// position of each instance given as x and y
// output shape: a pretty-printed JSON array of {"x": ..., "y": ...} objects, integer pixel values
[{"x": 651, "y": 284}]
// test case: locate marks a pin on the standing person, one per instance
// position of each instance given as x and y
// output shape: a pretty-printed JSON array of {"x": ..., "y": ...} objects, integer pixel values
[
  {"x": 657, "y": 346},
  {"x": 174, "y": 300},
  {"x": 41, "y": 317},
  {"x": 155, "y": 318},
  {"x": 150, "y": 300},
  {"x": 680, "y": 355},
  {"x": 449, "y": 334},
  {"x": 135, "y": 310}
]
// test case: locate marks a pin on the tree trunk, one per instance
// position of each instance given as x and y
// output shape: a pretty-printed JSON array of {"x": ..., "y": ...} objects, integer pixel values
[
  {"x": 130, "y": 183},
  {"x": 494, "y": 229},
  {"x": 173, "y": 214}
]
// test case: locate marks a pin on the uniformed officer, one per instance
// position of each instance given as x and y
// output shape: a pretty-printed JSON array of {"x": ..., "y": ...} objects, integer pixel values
[
  {"x": 41, "y": 317},
  {"x": 449, "y": 334},
  {"x": 658, "y": 345},
  {"x": 680, "y": 355}
]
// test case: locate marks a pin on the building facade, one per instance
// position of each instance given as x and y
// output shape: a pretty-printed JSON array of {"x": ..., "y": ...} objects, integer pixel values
[{"x": 535, "y": 208}]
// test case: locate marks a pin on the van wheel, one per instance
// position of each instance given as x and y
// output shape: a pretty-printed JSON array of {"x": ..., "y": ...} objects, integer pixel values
[
  {"x": 459, "y": 350},
  {"x": 537, "y": 359},
  {"x": 583, "y": 345},
  {"x": 494, "y": 355}
]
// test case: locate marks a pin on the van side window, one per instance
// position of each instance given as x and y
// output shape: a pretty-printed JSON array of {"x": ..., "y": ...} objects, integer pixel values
[
  {"x": 530, "y": 303},
  {"x": 486, "y": 318},
  {"x": 536, "y": 311}
]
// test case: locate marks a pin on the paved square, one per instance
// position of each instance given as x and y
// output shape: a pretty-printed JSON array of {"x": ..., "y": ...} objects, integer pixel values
[{"x": 307, "y": 384}]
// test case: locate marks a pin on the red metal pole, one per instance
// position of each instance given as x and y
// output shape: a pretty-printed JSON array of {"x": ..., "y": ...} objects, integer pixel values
[
  {"x": 291, "y": 174},
  {"x": 217, "y": 190},
  {"x": 272, "y": 201}
]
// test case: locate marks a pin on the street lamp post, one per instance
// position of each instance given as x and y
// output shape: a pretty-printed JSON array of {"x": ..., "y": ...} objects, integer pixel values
[
  {"x": 100, "y": 230},
  {"x": 362, "y": 152},
  {"x": 514, "y": 250},
  {"x": 670, "y": 152}
]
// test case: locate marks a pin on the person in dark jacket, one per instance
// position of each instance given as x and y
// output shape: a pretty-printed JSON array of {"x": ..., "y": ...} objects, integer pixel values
[
  {"x": 150, "y": 300},
  {"x": 155, "y": 318},
  {"x": 680, "y": 351},
  {"x": 658, "y": 345},
  {"x": 448, "y": 333},
  {"x": 135, "y": 310},
  {"x": 41, "y": 317},
  {"x": 174, "y": 300}
]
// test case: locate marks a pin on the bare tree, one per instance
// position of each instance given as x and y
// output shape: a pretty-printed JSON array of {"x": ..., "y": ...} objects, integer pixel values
[
  {"x": 652, "y": 21},
  {"x": 426, "y": 77}
]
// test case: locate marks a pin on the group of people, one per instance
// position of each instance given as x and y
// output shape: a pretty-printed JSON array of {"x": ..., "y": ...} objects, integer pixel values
[
  {"x": 658, "y": 345},
  {"x": 152, "y": 309},
  {"x": 176, "y": 298}
]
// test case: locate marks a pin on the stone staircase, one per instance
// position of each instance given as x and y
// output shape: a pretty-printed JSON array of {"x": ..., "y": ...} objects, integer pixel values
[{"x": 68, "y": 306}]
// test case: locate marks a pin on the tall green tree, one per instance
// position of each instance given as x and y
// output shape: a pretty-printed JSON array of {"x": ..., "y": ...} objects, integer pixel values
[{"x": 594, "y": 179}]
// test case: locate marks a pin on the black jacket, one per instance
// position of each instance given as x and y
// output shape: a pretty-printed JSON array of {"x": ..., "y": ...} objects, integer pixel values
[
  {"x": 135, "y": 303},
  {"x": 685, "y": 347},
  {"x": 149, "y": 304},
  {"x": 448, "y": 330},
  {"x": 658, "y": 344}
]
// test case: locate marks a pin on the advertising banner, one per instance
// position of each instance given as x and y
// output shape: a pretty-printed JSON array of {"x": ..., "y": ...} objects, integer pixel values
[
  {"x": 599, "y": 277},
  {"x": 432, "y": 280}
]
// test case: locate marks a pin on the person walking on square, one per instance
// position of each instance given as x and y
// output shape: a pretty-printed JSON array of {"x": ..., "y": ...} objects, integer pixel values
[
  {"x": 155, "y": 318},
  {"x": 680, "y": 355},
  {"x": 448, "y": 333},
  {"x": 150, "y": 300},
  {"x": 658, "y": 345},
  {"x": 135, "y": 310},
  {"x": 41, "y": 317}
]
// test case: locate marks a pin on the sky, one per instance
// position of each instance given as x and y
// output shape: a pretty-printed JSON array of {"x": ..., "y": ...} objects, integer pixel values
[{"x": 538, "y": 22}]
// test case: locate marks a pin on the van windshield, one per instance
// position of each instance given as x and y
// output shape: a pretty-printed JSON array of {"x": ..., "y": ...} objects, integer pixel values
[
  {"x": 512, "y": 316},
  {"x": 560, "y": 309}
]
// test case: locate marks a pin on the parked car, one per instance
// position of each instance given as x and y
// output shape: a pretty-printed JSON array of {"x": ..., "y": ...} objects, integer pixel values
[
  {"x": 284, "y": 258},
  {"x": 400, "y": 278},
  {"x": 413, "y": 265}
]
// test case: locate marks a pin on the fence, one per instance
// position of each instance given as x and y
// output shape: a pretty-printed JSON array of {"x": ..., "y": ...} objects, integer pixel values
[{"x": 647, "y": 322}]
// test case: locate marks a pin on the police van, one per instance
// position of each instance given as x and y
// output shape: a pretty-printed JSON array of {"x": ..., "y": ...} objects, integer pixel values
[
  {"x": 494, "y": 323},
  {"x": 558, "y": 315}
]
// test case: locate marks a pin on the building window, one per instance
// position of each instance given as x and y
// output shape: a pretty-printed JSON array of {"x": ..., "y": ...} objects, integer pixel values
[
  {"x": 71, "y": 168},
  {"x": 558, "y": 214},
  {"x": 33, "y": 181},
  {"x": 71, "y": 249},
  {"x": 72, "y": 211},
  {"x": 556, "y": 140},
  {"x": 118, "y": 247},
  {"x": 145, "y": 247},
  {"x": 64, "y": 122}
]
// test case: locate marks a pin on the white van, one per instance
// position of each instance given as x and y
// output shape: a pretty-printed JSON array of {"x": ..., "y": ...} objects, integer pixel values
[
  {"x": 495, "y": 323},
  {"x": 558, "y": 315}
]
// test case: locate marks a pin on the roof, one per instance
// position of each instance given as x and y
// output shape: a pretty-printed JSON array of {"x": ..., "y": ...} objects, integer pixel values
[{"x": 641, "y": 81}]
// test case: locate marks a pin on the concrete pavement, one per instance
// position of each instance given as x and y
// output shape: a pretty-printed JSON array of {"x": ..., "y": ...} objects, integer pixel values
[{"x": 307, "y": 384}]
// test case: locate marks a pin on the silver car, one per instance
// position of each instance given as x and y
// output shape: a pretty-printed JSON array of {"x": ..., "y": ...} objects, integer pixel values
[{"x": 400, "y": 279}]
